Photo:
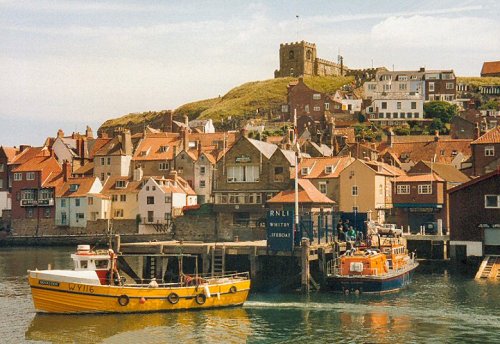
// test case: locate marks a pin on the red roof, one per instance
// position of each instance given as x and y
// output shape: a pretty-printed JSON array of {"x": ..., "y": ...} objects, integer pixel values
[
  {"x": 492, "y": 136},
  {"x": 427, "y": 177},
  {"x": 10, "y": 152},
  {"x": 84, "y": 186},
  {"x": 492, "y": 67},
  {"x": 39, "y": 163},
  {"x": 307, "y": 194}
]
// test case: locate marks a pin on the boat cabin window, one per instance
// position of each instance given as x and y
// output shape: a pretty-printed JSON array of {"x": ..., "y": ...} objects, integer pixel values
[
  {"x": 83, "y": 264},
  {"x": 101, "y": 264}
]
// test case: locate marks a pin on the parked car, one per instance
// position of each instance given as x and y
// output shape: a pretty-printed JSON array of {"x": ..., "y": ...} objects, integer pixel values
[{"x": 389, "y": 229}]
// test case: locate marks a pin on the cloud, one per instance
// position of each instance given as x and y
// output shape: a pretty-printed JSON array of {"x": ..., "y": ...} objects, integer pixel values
[
  {"x": 457, "y": 33},
  {"x": 367, "y": 16},
  {"x": 77, "y": 6}
]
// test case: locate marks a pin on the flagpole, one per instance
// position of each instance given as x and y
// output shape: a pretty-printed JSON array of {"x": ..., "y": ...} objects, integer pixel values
[{"x": 296, "y": 146}]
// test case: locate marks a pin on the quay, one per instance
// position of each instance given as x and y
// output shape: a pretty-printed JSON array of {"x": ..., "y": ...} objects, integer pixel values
[{"x": 215, "y": 256}]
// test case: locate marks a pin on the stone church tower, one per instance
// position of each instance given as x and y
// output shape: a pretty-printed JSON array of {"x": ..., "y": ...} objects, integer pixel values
[{"x": 299, "y": 58}]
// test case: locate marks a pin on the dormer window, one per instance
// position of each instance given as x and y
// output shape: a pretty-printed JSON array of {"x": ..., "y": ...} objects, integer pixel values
[
  {"x": 328, "y": 169},
  {"x": 121, "y": 184},
  {"x": 73, "y": 187},
  {"x": 163, "y": 149},
  {"x": 192, "y": 144},
  {"x": 305, "y": 171},
  {"x": 144, "y": 153}
]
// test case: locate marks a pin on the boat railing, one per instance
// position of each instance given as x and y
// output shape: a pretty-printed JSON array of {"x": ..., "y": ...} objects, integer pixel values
[{"x": 195, "y": 279}]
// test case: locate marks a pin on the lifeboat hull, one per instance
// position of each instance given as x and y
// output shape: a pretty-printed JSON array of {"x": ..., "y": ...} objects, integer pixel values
[{"x": 392, "y": 282}]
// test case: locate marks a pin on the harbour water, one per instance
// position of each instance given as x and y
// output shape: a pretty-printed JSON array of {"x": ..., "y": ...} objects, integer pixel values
[{"x": 443, "y": 305}]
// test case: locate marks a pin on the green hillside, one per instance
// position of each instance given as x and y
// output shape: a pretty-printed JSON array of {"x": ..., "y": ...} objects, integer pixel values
[
  {"x": 241, "y": 101},
  {"x": 477, "y": 81}
]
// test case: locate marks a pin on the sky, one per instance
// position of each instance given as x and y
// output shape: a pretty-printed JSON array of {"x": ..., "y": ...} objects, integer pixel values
[{"x": 69, "y": 64}]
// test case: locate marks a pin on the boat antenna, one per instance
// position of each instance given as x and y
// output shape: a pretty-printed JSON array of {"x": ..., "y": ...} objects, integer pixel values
[{"x": 297, "y": 152}]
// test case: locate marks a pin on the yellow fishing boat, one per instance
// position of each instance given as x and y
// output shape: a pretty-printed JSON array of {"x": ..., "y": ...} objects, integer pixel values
[{"x": 96, "y": 285}]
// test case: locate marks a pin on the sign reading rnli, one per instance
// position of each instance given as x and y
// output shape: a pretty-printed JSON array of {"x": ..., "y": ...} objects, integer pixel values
[{"x": 280, "y": 230}]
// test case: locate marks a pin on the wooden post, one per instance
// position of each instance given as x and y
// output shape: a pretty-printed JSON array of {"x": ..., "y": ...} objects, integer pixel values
[
  {"x": 321, "y": 260},
  {"x": 445, "y": 250},
  {"x": 205, "y": 261},
  {"x": 117, "y": 243},
  {"x": 254, "y": 265},
  {"x": 305, "y": 264}
]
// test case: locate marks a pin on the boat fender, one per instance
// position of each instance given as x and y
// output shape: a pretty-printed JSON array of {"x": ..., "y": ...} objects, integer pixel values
[
  {"x": 207, "y": 291},
  {"x": 123, "y": 300},
  {"x": 346, "y": 291},
  {"x": 233, "y": 289},
  {"x": 142, "y": 300},
  {"x": 173, "y": 298},
  {"x": 386, "y": 266},
  {"x": 357, "y": 292},
  {"x": 200, "y": 299}
]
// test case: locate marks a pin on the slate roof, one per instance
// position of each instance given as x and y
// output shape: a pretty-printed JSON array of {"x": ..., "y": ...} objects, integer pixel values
[
  {"x": 447, "y": 172},
  {"x": 267, "y": 149}
]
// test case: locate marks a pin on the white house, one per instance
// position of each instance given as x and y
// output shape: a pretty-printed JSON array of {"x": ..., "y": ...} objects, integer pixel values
[
  {"x": 74, "y": 201},
  {"x": 162, "y": 199},
  {"x": 396, "y": 108},
  {"x": 202, "y": 125}
]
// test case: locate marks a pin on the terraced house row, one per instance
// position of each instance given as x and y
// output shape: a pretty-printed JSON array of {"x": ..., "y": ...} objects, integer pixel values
[{"x": 142, "y": 183}]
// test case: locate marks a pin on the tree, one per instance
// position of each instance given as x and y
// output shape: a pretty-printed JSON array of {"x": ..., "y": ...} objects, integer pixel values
[
  {"x": 438, "y": 125},
  {"x": 490, "y": 105},
  {"x": 440, "y": 110}
]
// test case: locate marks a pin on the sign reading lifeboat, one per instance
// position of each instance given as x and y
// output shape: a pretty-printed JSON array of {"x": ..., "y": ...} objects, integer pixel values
[{"x": 280, "y": 230}]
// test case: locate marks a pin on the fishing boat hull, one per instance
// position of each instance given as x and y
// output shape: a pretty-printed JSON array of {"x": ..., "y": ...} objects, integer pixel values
[
  {"x": 56, "y": 296},
  {"x": 371, "y": 284}
]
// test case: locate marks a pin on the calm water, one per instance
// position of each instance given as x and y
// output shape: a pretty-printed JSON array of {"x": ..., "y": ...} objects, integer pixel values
[{"x": 439, "y": 307}]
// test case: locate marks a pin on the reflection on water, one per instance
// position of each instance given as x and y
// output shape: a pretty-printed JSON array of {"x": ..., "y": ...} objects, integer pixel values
[
  {"x": 441, "y": 306},
  {"x": 227, "y": 325}
]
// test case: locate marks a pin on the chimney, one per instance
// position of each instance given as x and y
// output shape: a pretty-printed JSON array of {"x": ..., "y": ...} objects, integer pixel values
[
  {"x": 22, "y": 148},
  {"x": 173, "y": 175},
  {"x": 477, "y": 131},
  {"x": 172, "y": 165},
  {"x": 186, "y": 121},
  {"x": 198, "y": 144},
  {"x": 138, "y": 174},
  {"x": 60, "y": 133},
  {"x": 168, "y": 122},
  {"x": 422, "y": 69},
  {"x": 185, "y": 139},
  {"x": 243, "y": 132},
  {"x": 66, "y": 169},
  {"x": 436, "y": 135},
  {"x": 88, "y": 133},
  {"x": 126, "y": 141},
  {"x": 390, "y": 138}
]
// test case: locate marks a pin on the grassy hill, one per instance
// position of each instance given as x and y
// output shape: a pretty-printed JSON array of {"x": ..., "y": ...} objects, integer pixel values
[
  {"x": 477, "y": 81},
  {"x": 242, "y": 101}
]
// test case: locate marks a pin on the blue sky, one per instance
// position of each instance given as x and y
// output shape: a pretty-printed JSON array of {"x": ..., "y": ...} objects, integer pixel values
[{"x": 66, "y": 64}]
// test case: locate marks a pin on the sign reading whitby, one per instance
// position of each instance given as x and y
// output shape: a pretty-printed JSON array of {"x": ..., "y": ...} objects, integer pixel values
[{"x": 280, "y": 230}]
